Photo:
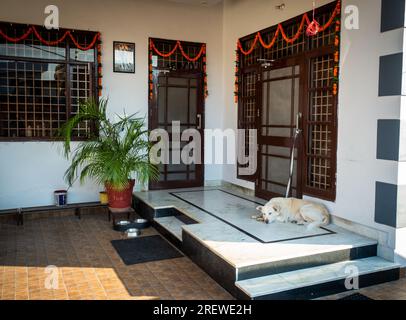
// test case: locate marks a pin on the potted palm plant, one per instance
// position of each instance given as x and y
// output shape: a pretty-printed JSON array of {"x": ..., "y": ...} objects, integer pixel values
[{"x": 111, "y": 156}]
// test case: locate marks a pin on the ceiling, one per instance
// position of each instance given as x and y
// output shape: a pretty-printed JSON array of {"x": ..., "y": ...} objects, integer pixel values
[{"x": 198, "y": 2}]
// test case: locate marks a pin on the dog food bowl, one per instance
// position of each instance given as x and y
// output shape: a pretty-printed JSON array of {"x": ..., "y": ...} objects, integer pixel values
[
  {"x": 133, "y": 233},
  {"x": 140, "y": 224},
  {"x": 122, "y": 225}
]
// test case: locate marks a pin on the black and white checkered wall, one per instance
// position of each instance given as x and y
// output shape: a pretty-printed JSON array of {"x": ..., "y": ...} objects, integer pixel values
[{"x": 390, "y": 199}]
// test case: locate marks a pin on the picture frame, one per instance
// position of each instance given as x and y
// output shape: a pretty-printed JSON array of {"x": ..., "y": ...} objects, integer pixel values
[{"x": 123, "y": 57}]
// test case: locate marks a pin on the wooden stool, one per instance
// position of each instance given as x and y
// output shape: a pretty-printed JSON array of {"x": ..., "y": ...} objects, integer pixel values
[{"x": 112, "y": 213}]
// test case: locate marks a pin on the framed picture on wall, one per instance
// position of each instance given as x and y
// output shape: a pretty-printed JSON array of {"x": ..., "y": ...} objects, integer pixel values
[{"x": 123, "y": 57}]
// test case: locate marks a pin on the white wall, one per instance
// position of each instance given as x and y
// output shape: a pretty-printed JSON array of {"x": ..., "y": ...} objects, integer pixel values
[
  {"x": 359, "y": 104},
  {"x": 30, "y": 171}
]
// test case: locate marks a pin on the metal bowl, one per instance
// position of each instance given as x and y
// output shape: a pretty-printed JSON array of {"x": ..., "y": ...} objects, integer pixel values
[
  {"x": 140, "y": 224},
  {"x": 122, "y": 225},
  {"x": 133, "y": 233}
]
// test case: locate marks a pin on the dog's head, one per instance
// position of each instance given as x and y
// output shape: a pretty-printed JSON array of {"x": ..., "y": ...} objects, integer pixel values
[{"x": 270, "y": 211}]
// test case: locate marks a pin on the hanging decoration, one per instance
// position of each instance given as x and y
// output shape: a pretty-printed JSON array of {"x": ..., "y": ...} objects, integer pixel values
[
  {"x": 99, "y": 68},
  {"x": 178, "y": 46},
  {"x": 33, "y": 30},
  {"x": 312, "y": 28},
  {"x": 336, "y": 68},
  {"x": 150, "y": 73},
  {"x": 237, "y": 76}
]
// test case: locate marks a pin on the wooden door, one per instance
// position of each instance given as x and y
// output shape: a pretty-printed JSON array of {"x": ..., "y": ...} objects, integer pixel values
[
  {"x": 179, "y": 97},
  {"x": 280, "y": 91}
]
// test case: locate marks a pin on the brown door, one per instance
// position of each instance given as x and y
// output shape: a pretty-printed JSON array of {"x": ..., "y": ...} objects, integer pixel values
[
  {"x": 178, "y": 97},
  {"x": 280, "y": 105}
]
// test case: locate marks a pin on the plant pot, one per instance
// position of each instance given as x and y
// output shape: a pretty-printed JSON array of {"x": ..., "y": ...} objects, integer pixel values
[{"x": 120, "y": 200}]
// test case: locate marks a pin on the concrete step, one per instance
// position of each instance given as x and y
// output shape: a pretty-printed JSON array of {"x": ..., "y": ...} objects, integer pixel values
[
  {"x": 171, "y": 224},
  {"x": 319, "y": 281}
]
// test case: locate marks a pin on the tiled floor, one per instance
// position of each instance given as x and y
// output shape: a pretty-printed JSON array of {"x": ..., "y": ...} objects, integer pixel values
[
  {"x": 88, "y": 267},
  {"x": 395, "y": 290}
]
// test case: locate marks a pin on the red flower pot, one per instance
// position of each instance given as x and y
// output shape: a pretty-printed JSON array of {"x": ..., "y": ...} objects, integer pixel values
[{"x": 120, "y": 200}]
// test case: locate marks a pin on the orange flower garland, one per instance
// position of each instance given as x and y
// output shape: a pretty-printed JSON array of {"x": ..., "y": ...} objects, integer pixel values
[
  {"x": 32, "y": 29},
  {"x": 279, "y": 30},
  {"x": 178, "y": 45},
  {"x": 99, "y": 69},
  {"x": 96, "y": 40}
]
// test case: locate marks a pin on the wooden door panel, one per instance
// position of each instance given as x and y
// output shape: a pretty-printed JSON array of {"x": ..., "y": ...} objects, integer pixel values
[
  {"x": 178, "y": 98},
  {"x": 279, "y": 106}
]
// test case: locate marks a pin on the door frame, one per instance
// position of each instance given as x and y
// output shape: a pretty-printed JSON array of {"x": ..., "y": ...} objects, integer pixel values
[
  {"x": 153, "y": 123},
  {"x": 303, "y": 83}
]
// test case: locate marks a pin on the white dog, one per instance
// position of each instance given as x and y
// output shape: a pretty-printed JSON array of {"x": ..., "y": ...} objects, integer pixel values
[{"x": 296, "y": 211}]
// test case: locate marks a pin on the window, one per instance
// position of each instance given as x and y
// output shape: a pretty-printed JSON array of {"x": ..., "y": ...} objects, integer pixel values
[
  {"x": 320, "y": 129},
  {"x": 42, "y": 85}
]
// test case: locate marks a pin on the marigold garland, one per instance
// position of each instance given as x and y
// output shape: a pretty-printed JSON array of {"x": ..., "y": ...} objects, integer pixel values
[
  {"x": 99, "y": 69},
  {"x": 279, "y": 30},
  {"x": 33, "y": 29},
  {"x": 336, "y": 68},
  {"x": 96, "y": 40},
  {"x": 178, "y": 45}
]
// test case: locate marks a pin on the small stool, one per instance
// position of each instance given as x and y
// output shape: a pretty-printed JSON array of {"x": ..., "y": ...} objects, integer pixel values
[{"x": 112, "y": 213}]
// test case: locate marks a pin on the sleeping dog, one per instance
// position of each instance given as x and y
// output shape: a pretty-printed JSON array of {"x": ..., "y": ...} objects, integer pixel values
[{"x": 296, "y": 211}]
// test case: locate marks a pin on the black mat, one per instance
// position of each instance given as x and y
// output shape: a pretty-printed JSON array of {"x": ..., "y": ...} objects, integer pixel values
[
  {"x": 145, "y": 249},
  {"x": 357, "y": 296}
]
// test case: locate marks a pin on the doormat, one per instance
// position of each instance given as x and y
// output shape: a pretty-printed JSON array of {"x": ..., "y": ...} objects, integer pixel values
[
  {"x": 145, "y": 249},
  {"x": 357, "y": 296}
]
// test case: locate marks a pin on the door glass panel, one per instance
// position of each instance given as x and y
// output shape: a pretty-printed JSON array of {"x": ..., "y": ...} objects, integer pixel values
[
  {"x": 178, "y": 81},
  {"x": 176, "y": 176},
  {"x": 280, "y": 102},
  {"x": 177, "y": 104},
  {"x": 193, "y": 106},
  {"x": 279, "y": 73},
  {"x": 161, "y": 104}
]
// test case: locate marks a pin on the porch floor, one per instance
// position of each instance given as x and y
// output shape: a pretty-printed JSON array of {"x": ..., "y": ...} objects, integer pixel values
[
  {"x": 90, "y": 268},
  {"x": 225, "y": 226},
  {"x": 88, "y": 265}
]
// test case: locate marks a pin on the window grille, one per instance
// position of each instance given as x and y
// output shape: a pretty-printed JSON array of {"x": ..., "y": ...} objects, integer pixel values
[{"x": 41, "y": 86}]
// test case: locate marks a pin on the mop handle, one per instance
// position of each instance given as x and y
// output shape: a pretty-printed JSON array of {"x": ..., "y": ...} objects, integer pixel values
[{"x": 292, "y": 155}]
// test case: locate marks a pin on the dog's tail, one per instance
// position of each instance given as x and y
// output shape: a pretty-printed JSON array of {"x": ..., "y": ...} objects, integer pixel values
[
  {"x": 326, "y": 217},
  {"x": 324, "y": 222}
]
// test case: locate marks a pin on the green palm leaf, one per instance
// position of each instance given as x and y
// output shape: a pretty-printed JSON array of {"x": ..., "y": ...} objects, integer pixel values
[{"x": 114, "y": 154}]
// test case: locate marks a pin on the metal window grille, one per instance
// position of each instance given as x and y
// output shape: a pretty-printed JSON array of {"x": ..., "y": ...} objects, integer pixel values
[{"x": 41, "y": 86}]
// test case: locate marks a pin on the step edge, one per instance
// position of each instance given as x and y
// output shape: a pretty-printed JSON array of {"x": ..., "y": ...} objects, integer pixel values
[
  {"x": 240, "y": 287},
  {"x": 179, "y": 237}
]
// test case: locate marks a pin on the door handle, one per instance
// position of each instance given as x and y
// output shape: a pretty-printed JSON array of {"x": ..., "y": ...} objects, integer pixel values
[
  {"x": 199, "y": 121},
  {"x": 298, "y": 118}
]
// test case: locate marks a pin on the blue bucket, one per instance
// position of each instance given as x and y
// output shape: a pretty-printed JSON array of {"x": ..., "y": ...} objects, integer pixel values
[{"x": 60, "y": 197}]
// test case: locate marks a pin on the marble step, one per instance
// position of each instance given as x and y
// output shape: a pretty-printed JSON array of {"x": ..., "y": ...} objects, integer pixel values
[
  {"x": 318, "y": 281},
  {"x": 172, "y": 225}
]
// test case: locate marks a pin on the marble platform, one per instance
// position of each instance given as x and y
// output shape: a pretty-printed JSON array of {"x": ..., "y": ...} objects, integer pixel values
[{"x": 232, "y": 247}]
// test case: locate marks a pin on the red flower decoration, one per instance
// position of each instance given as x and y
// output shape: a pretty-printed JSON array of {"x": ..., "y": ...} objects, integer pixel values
[{"x": 313, "y": 28}]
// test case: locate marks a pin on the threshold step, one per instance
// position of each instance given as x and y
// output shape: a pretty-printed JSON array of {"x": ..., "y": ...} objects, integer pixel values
[
  {"x": 172, "y": 225},
  {"x": 319, "y": 281}
]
